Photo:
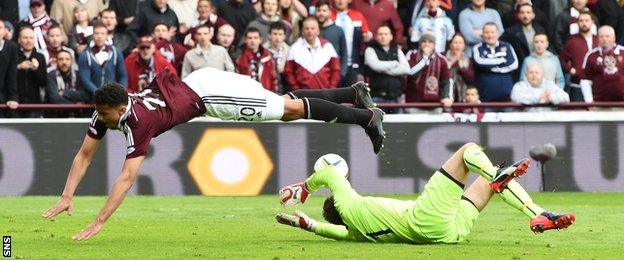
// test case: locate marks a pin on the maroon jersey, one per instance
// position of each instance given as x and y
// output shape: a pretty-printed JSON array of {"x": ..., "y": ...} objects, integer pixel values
[
  {"x": 606, "y": 70},
  {"x": 167, "y": 102}
]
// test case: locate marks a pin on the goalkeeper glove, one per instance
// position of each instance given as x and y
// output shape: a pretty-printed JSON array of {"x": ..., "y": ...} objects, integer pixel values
[{"x": 299, "y": 219}]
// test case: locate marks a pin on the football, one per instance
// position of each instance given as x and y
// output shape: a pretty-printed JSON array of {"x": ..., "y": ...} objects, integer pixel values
[{"x": 332, "y": 159}]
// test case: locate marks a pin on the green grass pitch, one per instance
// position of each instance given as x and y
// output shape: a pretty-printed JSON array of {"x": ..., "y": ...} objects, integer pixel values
[{"x": 244, "y": 228}]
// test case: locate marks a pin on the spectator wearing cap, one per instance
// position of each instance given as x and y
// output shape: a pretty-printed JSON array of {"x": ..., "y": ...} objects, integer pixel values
[
  {"x": 207, "y": 16},
  {"x": 429, "y": 78},
  {"x": 153, "y": 12},
  {"x": 31, "y": 71},
  {"x": 238, "y": 13},
  {"x": 535, "y": 89},
  {"x": 549, "y": 62},
  {"x": 123, "y": 41},
  {"x": 82, "y": 30},
  {"x": 172, "y": 51},
  {"x": 225, "y": 39},
  {"x": 521, "y": 34},
  {"x": 63, "y": 11},
  {"x": 494, "y": 62},
  {"x": 386, "y": 65},
  {"x": 433, "y": 20},
  {"x": 473, "y": 18},
  {"x": 101, "y": 63},
  {"x": 332, "y": 33},
  {"x": 206, "y": 54},
  {"x": 63, "y": 85},
  {"x": 8, "y": 71},
  {"x": 312, "y": 62},
  {"x": 40, "y": 21},
  {"x": 603, "y": 77},
  {"x": 256, "y": 62},
  {"x": 143, "y": 64},
  {"x": 55, "y": 40}
]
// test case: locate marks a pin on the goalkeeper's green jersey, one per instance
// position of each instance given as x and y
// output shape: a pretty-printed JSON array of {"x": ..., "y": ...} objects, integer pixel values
[{"x": 371, "y": 219}]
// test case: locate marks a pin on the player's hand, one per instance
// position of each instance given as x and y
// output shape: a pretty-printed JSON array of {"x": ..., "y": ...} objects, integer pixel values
[
  {"x": 90, "y": 231},
  {"x": 64, "y": 204},
  {"x": 299, "y": 219}
]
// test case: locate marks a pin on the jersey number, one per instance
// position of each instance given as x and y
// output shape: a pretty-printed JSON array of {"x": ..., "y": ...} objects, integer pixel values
[
  {"x": 148, "y": 101},
  {"x": 247, "y": 111}
]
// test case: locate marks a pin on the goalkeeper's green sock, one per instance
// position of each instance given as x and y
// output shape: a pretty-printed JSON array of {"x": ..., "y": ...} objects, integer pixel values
[
  {"x": 518, "y": 198},
  {"x": 478, "y": 162}
]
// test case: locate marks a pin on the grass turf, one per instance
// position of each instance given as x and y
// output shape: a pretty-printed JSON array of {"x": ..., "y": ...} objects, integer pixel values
[{"x": 244, "y": 227}]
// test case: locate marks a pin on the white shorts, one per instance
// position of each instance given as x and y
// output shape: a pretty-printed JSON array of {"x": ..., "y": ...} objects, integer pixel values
[{"x": 231, "y": 96}]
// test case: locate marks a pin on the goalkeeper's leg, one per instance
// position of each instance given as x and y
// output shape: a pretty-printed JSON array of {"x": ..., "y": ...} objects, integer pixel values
[{"x": 479, "y": 193}]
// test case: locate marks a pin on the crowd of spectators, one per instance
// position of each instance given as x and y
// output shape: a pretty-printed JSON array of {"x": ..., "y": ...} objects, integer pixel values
[{"x": 432, "y": 51}]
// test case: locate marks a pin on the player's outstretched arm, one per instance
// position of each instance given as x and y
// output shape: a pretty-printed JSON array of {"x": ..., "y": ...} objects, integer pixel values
[
  {"x": 303, "y": 221},
  {"x": 81, "y": 162},
  {"x": 123, "y": 183}
]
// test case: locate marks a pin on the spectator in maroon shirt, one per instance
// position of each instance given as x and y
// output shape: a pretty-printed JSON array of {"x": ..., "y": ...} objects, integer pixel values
[
  {"x": 207, "y": 16},
  {"x": 143, "y": 65},
  {"x": 173, "y": 52},
  {"x": 428, "y": 76},
  {"x": 378, "y": 13},
  {"x": 604, "y": 69},
  {"x": 573, "y": 54},
  {"x": 256, "y": 61}
]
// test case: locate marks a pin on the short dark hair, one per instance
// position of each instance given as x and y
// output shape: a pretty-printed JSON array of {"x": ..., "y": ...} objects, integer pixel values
[
  {"x": 111, "y": 94},
  {"x": 160, "y": 23},
  {"x": 277, "y": 26},
  {"x": 587, "y": 12},
  {"x": 65, "y": 51},
  {"x": 107, "y": 10},
  {"x": 252, "y": 30},
  {"x": 100, "y": 25},
  {"x": 330, "y": 213},
  {"x": 322, "y": 3},
  {"x": 56, "y": 26}
]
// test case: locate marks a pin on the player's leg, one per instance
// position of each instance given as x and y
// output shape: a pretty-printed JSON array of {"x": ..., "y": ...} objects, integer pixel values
[
  {"x": 478, "y": 194},
  {"x": 435, "y": 209},
  {"x": 357, "y": 94},
  {"x": 371, "y": 119}
]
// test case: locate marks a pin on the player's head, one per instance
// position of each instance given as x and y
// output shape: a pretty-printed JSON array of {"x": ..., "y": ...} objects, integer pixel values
[
  {"x": 330, "y": 213},
  {"x": 110, "y": 103}
]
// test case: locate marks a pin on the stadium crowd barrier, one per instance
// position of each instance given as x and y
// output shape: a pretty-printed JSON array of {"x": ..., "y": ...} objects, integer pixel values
[{"x": 212, "y": 157}]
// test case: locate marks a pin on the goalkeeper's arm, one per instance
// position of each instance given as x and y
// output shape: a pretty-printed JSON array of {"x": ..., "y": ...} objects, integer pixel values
[{"x": 301, "y": 220}]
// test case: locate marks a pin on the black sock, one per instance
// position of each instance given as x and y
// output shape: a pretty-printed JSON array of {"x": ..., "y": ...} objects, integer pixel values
[
  {"x": 319, "y": 109},
  {"x": 336, "y": 95}
]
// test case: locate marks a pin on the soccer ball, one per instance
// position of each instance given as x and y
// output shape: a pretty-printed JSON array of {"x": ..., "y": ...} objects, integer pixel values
[{"x": 332, "y": 159}]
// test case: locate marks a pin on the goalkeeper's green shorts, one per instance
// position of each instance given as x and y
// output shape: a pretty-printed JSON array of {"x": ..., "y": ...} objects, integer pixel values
[{"x": 440, "y": 215}]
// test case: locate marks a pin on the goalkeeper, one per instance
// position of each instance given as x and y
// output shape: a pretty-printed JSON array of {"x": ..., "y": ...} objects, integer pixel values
[{"x": 443, "y": 213}]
